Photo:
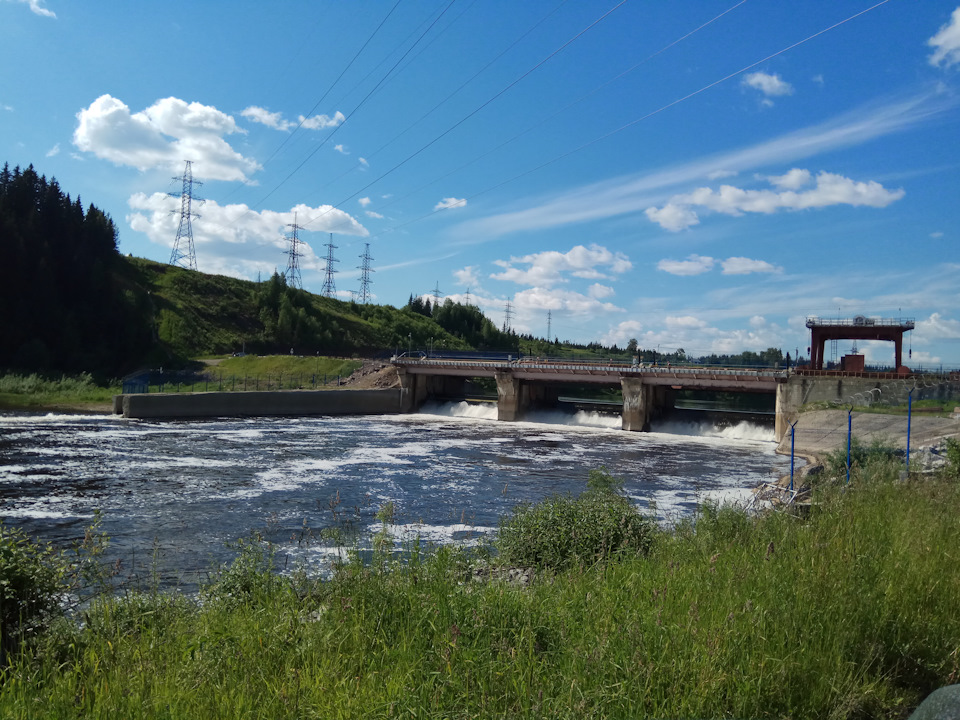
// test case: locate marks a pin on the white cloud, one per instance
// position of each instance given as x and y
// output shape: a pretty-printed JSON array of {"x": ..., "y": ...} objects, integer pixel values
[
  {"x": 672, "y": 217},
  {"x": 745, "y": 266},
  {"x": 571, "y": 303},
  {"x": 372, "y": 214},
  {"x": 599, "y": 291},
  {"x": 937, "y": 234},
  {"x": 36, "y": 6},
  {"x": 793, "y": 180},
  {"x": 830, "y": 189},
  {"x": 163, "y": 136},
  {"x": 450, "y": 202},
  {"x": 720, "y": 174},
  {"x": 547, "y": 268},
  {"x": 936, "y": 328},
  {"x": 621, "y": 333},
  {"x": 364, "y": 201},
  {"x": 769, "y": 85},
  {"x": 363, "y": 161},
  {"x": 693, "y": 265},
  {"x": 947, "y": 43},
  {"x": 235, "y": 240},
  {"x": 55, "y": 150},
  {"x": 321, "y": 122},
  {"x": 265, "y": 117},
  {"x": 467, "y": 276},
  {"x": 276, "y": 121},
  {"x": 341, "y": 149},
  {"x": 8, "y": 108}
]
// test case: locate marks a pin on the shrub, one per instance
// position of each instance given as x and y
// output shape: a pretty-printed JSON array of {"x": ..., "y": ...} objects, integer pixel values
[
  {"x": 249, "y": 578},
  {"x": 953, "y": 456},
  {"x": 562, "y": 531},
  {"x": 862, "y": 456},
  {"x": 33, "y": 580}
]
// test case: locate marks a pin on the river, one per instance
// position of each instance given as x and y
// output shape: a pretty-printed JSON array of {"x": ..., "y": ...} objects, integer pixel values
[{"x": 174, "y": 495}]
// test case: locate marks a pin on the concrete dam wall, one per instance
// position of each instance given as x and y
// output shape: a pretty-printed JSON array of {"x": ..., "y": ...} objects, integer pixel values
[{"x": 258, "y": 404}]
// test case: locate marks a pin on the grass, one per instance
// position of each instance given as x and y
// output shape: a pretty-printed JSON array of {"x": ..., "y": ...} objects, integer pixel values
[
  {"x": 852, "y": 612},
  {"x": 35, "y": 392}
]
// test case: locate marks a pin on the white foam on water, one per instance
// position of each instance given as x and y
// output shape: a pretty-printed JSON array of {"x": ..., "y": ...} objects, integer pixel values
[
  {"x": 39, "y": 419},
  {"x": 437, "y": 534},
  {"x": 747, "y": 431}
]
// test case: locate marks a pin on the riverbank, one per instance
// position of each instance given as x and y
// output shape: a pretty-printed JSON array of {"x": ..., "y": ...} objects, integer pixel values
[{"x": 851, "y": 612}]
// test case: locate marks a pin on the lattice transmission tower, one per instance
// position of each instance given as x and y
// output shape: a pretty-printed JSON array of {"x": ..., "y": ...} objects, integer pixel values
[
  {"x": 329, "y": 288},
  {"x": 184, "y": 253},
  {"x": 365, "y": 271},
  {"x": 436, "y": 295},
  {"x": 507, "y": 316},
  {"x": 293, "y": 256},
  {"x": 549, "y": 323}
]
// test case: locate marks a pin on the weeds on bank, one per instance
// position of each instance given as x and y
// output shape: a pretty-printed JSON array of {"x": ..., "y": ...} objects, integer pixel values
[
  {"x": 853, "y": 611},
  {"x": 26, "y": 391}
]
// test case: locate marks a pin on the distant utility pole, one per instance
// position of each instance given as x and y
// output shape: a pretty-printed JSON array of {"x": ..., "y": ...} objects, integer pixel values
[
  {"x": 507, "y": 316},
  {"x": 183, "y": 253},
  {"x": 329, "y": 288},
  {"x": 293, "y": 256},
  {"x": 436, "y": 295},
  {"x": 466, "y": 299},
  {"x": 365, "y": 271},
  {"x": 549, "y": 320}
]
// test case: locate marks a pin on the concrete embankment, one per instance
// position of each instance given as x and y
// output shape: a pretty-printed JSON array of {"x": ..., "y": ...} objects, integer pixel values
[
  {"x": 254, "y": 404},
  {"x": 820, "y": 432}
]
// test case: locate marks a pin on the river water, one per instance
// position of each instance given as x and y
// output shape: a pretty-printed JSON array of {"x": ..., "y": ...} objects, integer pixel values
[{"x": 173, "y": 495}]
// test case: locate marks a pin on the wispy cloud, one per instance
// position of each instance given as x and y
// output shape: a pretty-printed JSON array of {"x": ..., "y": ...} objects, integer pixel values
[
  {"x": 636, "y": 193},
  {"x": 37, "y": 7}
]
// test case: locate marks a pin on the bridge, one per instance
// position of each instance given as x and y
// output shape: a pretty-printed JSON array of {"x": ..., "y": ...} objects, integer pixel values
[
  {"x": 530, "y": 383},
  {"x": 648, "y": 390}
]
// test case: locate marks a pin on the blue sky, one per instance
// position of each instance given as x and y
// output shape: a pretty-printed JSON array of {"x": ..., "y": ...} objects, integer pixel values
[{"x": 699, "y": 174}]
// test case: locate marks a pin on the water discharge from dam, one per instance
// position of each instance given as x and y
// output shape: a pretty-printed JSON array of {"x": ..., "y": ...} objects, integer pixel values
[{"x": 174, "y": 494}]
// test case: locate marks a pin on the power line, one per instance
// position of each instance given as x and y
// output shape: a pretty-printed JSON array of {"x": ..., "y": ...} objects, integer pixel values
[
  {"x": 478, "y": 108},
  {"x": 639, "y": 119},
  {"x": 183, "y": 253}
]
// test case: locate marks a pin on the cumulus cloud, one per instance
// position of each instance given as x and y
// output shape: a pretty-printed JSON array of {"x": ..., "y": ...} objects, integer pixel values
[
  {"x": 936, "y": 328},
  {"x": 829, "y": 189},
  {"x": 547, "y": 268},
  {"x": 769, "y": 85},
  {"x": 163, "y": 136},
  {"x": 621, "y": 333},
  {"x": 235, "y": 240},
  {"x": 450, "y": 202},
  {"x": 467, "y": 276},
  {"x": 946, "y": 43},
  {"x": 793, "y": 180},
  {"x": 672, "y": 217},
  {"x": 341, "y": 149},
  {"x": 599, "y": 291},
  {"x": 36, "y": 6},
  {"x": 571, "y": 303},
  {"x": 276, "y": 120},
  {"x": 693, "y": 265},
  {"x": 745, "y": 266},
  {"x": 364, "y": 201},
  {"x": 372, "y": 214}
]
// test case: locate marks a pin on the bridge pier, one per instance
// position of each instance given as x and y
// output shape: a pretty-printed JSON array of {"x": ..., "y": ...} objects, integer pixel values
[
  {"x": 416, "y": 389},
  {"x": 508, "y": 396},
  {"x": 637, "y": 399}
]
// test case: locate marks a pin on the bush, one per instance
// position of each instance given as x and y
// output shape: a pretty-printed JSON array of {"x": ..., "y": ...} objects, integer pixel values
[
  {"x": 862, "y": 456},
  {"x": 562, "y": 531},
  {"x": 953, "y": 456},
  {"x": 249, "y": 578},
  {"x": 33, "y": 580}
]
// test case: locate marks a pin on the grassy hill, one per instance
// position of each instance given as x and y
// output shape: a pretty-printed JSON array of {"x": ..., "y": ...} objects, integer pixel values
[{"x": 194, "y": 315}]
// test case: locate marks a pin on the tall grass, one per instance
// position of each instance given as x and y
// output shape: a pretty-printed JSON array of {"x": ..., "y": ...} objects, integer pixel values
[
  {"x": 853, "y": 611},
  {"x": 26, "y": 391}
]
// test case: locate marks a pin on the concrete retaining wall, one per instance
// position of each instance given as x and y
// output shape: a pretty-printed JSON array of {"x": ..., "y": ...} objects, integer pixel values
[{"x": 252, "y": 404}]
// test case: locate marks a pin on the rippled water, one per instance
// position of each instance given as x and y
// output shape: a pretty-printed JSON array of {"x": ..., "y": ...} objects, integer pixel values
[{"x": 188, "y": 488}]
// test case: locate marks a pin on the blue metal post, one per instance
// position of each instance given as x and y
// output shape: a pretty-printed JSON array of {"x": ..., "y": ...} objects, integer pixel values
[
  {"x": 909, "y": 413},
  {"x": 849, "y": 435},
  {"x": 793, "y": 440}
]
